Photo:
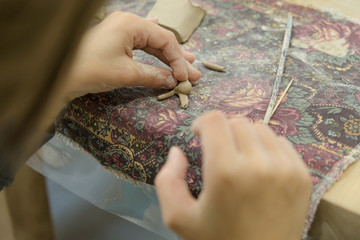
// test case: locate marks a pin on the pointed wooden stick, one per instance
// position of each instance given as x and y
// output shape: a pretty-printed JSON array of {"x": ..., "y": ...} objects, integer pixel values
[
  {"x": 286, "y": 43},
  {"x": 282, "y": 97}
]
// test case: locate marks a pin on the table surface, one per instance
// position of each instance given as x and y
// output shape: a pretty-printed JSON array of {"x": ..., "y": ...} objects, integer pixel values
[
  {"x": 345, "y": 192},
  {"x": 343, "y": 197},
  {"x": 347, "y": 7},
  {"x": 340, "y": 205}
]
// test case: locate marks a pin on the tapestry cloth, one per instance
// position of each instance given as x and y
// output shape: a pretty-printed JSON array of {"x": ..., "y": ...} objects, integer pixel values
[{"x": 130, "y": 132}]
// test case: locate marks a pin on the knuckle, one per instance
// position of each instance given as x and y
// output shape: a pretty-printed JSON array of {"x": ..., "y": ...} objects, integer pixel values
[
  {"x": 264, "y": 130},
  {"x": 171, "y": 38},
  {"x": 171, "y": 219},
  {"x": 157, "y": 179},
  {"x": 264, "y": 174},
  {"x": 116, "y": 14},
  {"x": 305, "y": 178},
  {"x": 225, "y": 177},
  {"x": 296, "y": 176},
  {"x": 209, "y": 119},
  {"x": 268, "y": 176},
  {"x": 161, "y": 177},
  {"x": 240, "y": 121},
  {"x": 229, "y": 176},
  {"x": 123, "y": 16},
  {"x": 169, "y": 34},
  {"x": 215, "y": 116},
  {"x": 287, "y": 172}
]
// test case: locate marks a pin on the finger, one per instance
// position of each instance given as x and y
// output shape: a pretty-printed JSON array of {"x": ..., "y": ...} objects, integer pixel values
[
  {"x": 293, "y": 155},
  {"x": 247, "y": 140},
  {"x": 157, "y": 53},
  {"x": 193, "y": 73},
  {"x": 175, "y": 199},
  {"x": 188, "y": 56},
  {"x": 159, "y": 38},
  {"x": 284, "y": 157},
  {"x": 284, "y": 154},
  {"x": 153, "y": 20},
  {"x": 217, "y": 139},
  {"x": 295, "y": 169},
  {"x": 268, "y": 138},
  {"x": 139, "y": 74},
  {"x": 276, "y": 155},
  {"x": 155, "y": 76}
]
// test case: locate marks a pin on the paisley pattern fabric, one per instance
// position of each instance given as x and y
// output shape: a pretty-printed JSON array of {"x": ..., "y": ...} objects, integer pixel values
[{"x": 130, "y": 132}]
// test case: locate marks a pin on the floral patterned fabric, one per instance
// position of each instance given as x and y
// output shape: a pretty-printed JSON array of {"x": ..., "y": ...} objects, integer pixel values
[{"x": 130, "y": 132}]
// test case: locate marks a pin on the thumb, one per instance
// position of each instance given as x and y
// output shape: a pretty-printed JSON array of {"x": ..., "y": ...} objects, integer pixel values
[
  {"x": 153, "y": 20},
  {"x": 175, "y": 199},
  {"x": 155, "y": 76}
]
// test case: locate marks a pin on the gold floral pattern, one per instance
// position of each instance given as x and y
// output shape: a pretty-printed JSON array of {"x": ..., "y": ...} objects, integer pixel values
[
  {"x": 130, "y": 132},
  {"x": 352, "y": 127}
]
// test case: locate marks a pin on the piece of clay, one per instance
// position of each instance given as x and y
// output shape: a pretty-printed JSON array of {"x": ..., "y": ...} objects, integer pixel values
[
  {"x": 179, "y": 16},
  {"x": 214, "y": 66},
  {"x": 281, "y": 98},
  {"x": 182, "y": 90}
]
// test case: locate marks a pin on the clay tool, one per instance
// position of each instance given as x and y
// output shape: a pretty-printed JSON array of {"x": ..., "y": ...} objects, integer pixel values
[
  {"x": 285, "y": 47},
  {"x": 281, "y": 98}
]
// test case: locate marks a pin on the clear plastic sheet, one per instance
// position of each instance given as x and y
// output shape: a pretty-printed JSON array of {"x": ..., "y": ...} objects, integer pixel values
[{"x": 80, "y": 173}]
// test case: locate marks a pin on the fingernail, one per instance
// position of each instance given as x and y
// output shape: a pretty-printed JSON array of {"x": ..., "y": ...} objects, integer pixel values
[
  {"x": 171, "y": 82},
  {"x": 195, "y": 73},
  {"x": 176, "y": 162},
  {"x": 171, "y": 158},
  {"x": 172, "y": 151},
  {"x": 195, "y": 83}
]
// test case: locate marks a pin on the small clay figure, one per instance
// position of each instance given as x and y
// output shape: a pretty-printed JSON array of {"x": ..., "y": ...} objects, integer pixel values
[{"x": 182, "y": 90}]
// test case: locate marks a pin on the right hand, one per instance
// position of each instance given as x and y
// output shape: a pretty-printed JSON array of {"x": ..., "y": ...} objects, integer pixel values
[
  {"x": 104, "y": 60},
  {"x": 255, "y": 184}
]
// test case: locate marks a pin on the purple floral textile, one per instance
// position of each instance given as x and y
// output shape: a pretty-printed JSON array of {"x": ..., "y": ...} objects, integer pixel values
[{"x": 129, "y": 131}]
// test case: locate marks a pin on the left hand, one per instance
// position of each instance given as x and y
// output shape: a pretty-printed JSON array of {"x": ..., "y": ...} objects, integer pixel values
[
  {"x": 104, "y": 60},
  {"x": 255, "y": 184}
]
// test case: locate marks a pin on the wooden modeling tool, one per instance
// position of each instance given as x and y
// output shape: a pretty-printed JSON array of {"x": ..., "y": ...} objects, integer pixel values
[
  {"x": 280, "y": 70},
  {"x": 281, "y": 98}
]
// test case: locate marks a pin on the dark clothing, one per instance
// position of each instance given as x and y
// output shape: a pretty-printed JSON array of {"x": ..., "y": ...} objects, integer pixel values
[{"x": 38, "y": 40}]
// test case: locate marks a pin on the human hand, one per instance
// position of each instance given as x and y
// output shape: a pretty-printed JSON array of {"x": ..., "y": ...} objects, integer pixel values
[
  {"x": 255, "y": 184},
  {"x": 104, "y": 60}
]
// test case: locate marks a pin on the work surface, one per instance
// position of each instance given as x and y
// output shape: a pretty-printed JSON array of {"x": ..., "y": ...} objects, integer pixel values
[
  {"x": 129, "y": 132},
  {"x": 338, "y": 215}
]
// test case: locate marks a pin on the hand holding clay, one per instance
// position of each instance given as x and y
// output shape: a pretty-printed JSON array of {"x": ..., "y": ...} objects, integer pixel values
[
  {"x": 182, "y": 90},
  {"x": 104, "y": 61},
  {"x": 255, "y": 184}
]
